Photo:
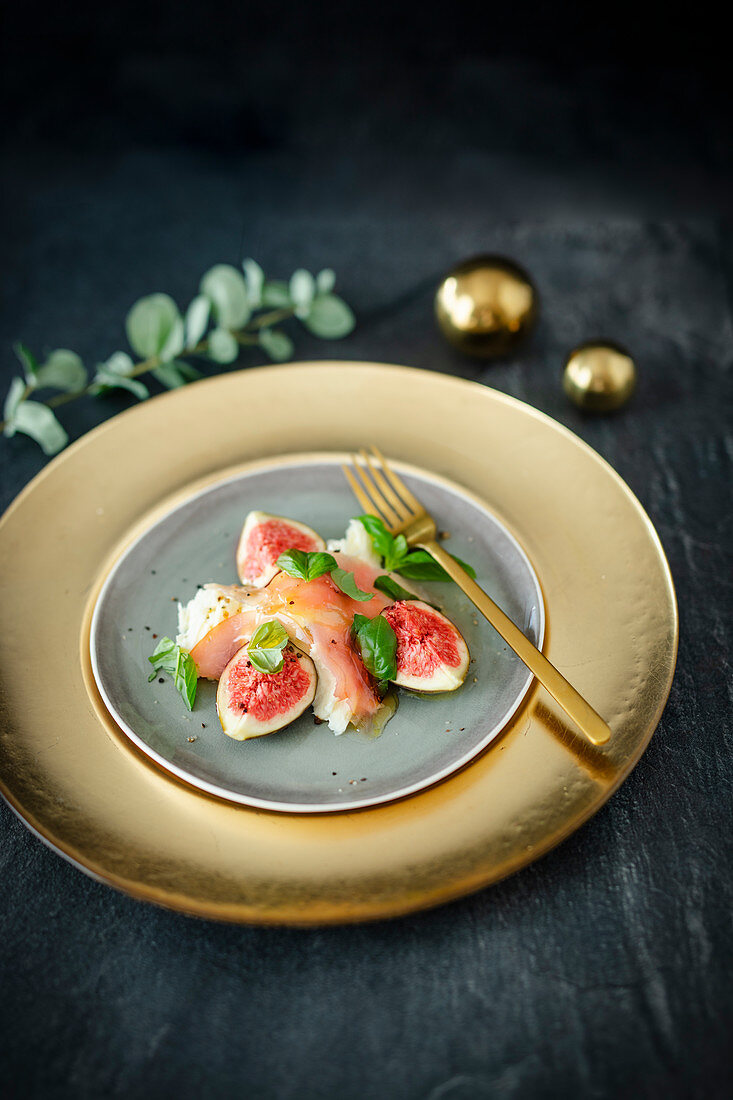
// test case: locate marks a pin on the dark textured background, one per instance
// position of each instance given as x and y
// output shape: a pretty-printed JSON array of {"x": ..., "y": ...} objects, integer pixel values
[{"x": 144, "y": 144}]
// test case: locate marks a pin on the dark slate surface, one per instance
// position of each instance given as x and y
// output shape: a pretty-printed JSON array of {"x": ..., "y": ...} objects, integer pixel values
[{"x": 605, "y": 969}]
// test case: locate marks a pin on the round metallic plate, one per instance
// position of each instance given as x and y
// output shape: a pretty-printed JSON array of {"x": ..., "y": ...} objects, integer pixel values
[
  {"x": 306, "y": 768},
  {"x": 81, "y": 785}
]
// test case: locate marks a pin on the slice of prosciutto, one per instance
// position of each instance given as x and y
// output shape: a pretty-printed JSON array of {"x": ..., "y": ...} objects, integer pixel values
[{"x": 318, "y": 618}]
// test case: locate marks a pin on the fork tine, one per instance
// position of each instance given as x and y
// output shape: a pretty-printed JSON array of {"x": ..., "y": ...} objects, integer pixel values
[
  {"x": 394, "y": 500},
  {"x": 378, "y": 501},
  {"x": 357, "y": 490},
  {"x": 398, "y": 484}
]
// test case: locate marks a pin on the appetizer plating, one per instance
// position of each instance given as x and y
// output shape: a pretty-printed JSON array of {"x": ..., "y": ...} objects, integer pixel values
[{"x": 333, "y": 627}]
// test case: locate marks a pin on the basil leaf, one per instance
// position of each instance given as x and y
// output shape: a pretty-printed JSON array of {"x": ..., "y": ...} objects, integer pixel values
[
  {"x": 346, "y": 582},
  {"x": 359, "y": 622},
  {"x": 392, "y": 589},
  {"x": 318, "y": 564},
  {"x": 186, "y": 678},
  {"x": 420, "y": 566},
  {"x": 270, "y": 635},
  {"x": 294, "y": 563},
  {"x": 266, "y": 646},
  {"x": 306, "y": 566},
  {"x": 378, "y": 533},
  {"x": 170, "y": 658},
  {"x": 397, "y": 553},
  {"x": 377, "y": 643},
  {"x": 163, "y": 650},
  {"x": 266, "y": 660}
]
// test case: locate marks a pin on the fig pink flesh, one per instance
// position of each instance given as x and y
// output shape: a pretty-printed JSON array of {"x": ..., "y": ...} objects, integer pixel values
[
  {"x": 425, "y": 640},
  {"x": 267, "y": 541},
  {"x": 262, "y": 695},
  {"x": 319, "y": 616}
]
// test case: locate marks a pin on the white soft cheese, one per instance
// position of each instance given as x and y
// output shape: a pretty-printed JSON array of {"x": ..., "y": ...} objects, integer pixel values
[
  {"x": 209, "y": 607},
  {"x": 356, "y": 543}
]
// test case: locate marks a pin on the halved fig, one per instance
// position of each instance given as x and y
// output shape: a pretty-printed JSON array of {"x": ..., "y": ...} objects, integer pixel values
[
  {"x": 251, "y": 703},
  {"x": 431, "y": 653},
  {"x": 263, "y": 539}
]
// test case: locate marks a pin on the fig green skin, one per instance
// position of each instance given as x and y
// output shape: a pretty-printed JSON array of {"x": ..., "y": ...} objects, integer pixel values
[
  {"x": 444, "y": 677},
  {"x": 243, "y": 727}
]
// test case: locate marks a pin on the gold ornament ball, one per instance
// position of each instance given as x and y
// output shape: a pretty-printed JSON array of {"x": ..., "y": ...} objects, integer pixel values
[
  {"x": 599, "y": 377},
  {"x": 486, "y": 305}
]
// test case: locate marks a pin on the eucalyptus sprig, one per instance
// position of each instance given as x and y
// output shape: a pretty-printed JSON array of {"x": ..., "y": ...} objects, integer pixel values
[{"x": 233, "y": 309}]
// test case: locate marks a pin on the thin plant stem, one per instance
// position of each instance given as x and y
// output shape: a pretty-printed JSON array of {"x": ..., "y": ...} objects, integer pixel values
[{"x": 246, "y": 337}]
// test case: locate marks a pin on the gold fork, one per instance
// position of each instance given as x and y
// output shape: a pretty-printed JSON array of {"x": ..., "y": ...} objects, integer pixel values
[{"x": 380, "y": 491}]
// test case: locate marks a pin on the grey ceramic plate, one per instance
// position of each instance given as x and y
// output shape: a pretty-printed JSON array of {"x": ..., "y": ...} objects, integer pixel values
[{"x": 306, "y": 768}]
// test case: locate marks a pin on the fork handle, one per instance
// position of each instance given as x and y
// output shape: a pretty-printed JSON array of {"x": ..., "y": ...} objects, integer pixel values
[{"x": 571, "y": 701}]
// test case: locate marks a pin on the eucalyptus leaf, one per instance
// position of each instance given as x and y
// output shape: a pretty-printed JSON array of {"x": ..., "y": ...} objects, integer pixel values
[
  {"x": 38, "y": 421},
  {"x": 255, "y": 279},
  {"x": 197, "y": 318},
  {"x": 187, "y": 370},
  {"x": 169, "y": 375},
  {"x": 63, "y": 370},
  {"x": 151, "y": 323},
  {"x": 302, "y": 288},
  {"x": 278, "y": 345},
  {"x": 13, "y": 399},
  {"x": 114, "y": 374},
  {"x": 226, "y": 289},
  {"x": 119, "y": 362},
  {"x": 330, "y": 317},
  {"x": 223, "y": 348},
  {"x": 325, "y": 281},
  {"x": 28, "y": 361},
  {"x": 275, "y": 293},
  {"x": 175, "y": 342},
  {"x": 106, "y": 380}
]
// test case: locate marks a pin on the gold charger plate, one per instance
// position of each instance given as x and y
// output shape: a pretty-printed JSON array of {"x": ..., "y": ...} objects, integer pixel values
[{"x": 80, "y": 784}]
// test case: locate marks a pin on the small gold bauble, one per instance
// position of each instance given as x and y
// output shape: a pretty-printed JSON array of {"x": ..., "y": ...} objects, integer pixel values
[
  {"x": 486, "y": 305},
  {"x": 599, "y": 377}
]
